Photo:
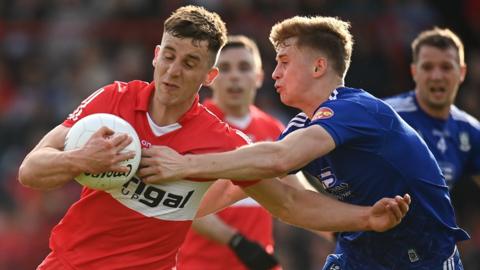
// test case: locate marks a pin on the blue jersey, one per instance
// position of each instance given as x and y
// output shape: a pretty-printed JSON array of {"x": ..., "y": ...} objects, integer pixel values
[
  {"x": 377, "y": 155},
  {"x": 454, "y": 142}
]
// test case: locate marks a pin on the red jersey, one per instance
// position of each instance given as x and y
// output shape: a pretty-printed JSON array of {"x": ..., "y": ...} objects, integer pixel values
[
  {"x": 138, "y": 226},
  {"x": 249, "y": 218}
]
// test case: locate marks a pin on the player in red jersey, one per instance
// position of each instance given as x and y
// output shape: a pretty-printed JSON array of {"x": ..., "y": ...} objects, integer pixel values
[
  {"x": 141, "y": 225},
  {"x": 239, "y": 237}
]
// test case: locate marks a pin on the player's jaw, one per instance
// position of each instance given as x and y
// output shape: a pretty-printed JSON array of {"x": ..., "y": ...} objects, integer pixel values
[{"x": 282, "y": 91}]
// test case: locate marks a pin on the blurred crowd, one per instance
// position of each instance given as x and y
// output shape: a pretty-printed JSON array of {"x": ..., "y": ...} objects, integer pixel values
[{"x": 53, "y": 53}]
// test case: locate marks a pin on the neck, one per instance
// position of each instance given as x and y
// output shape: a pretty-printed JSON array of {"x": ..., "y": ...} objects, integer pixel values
[
  {"x": 319, "y": 93},
  {"x": 441, "y": 112},
  {"x": 235, "y": 111},
  {"x": 164, "y": 114}
]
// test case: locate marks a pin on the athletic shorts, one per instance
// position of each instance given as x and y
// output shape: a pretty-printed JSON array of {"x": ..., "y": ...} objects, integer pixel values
[{"x": 339, "y": 262}]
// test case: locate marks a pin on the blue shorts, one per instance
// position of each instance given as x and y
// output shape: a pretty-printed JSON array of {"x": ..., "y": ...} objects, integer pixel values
[{"x": 340, "y": 262}]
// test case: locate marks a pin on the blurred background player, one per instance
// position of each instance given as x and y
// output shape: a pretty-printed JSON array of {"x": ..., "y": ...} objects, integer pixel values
[
  {"x": 241, "y": 236},
  {"x": 438, "y": 68}
]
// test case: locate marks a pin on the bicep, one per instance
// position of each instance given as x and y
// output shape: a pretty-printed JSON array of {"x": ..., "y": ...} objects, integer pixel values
[
  {"x": 304, "y": 145},
  {"x": 53, "y": 139}
]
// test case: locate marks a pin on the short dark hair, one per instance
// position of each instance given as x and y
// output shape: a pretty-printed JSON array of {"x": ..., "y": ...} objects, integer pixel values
[
  {"x": 327, "y": 34},
  {"x": 241, "y": 41},
  {"x": 440, "y": 38},
  {"x": 198, "y": 24}
]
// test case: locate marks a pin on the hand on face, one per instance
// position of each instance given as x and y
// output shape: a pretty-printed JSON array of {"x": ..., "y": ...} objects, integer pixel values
[
  {"x": 388, "y": 212},
  {"x": 161, "y": 164}
]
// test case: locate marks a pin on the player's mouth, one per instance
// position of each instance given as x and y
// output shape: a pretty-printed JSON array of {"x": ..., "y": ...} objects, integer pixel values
[
  {"x": 235, "y": 90},
  {"x": 438, "y": 91},
  {"x": 170, "y": 86},
  {"x": 278, "y": 88}
]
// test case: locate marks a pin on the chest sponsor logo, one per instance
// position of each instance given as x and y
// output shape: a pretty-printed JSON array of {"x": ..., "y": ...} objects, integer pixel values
[
  {"x": 323, "y": 113},
  {"x": 145, "y": 143},
  {"x": 152, "y": 196}
]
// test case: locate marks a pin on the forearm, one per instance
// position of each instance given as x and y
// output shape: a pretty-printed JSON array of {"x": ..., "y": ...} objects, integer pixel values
[
  {"x": 262, "y": 160},
  {"x": 221, "y": 194},
  {"x": 329, "y": 215},
  {"x": 308, "y": 209},
  {"x": 213, "y": 228},
  {"x": 48, "y": 168}
]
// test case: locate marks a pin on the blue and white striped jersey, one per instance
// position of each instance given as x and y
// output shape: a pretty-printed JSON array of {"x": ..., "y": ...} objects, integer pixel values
[
  {"x": 454, "y": 142},
  {"x": 377, "y": 155}
]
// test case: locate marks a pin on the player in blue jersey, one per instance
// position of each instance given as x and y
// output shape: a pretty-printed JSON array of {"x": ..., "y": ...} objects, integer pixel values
[
  {"x": 354, "y": 144},
  {"x": 453, "y": 136}
]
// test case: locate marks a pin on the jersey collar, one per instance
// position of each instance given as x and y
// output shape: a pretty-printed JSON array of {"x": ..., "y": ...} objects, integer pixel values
[{"x": 143, "y": 99}]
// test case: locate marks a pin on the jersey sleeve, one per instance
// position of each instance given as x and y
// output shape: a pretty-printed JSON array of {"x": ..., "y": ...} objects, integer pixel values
[
  {"x": 100, "y": 101},
  {"x": 347, "y": 122},
  {"x": 474, "y": 164},
  {"x": 299, "y": 121}
]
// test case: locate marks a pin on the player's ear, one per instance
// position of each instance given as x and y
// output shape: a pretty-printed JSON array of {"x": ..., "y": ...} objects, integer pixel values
[
  {"x": 156, "y": 54},
  {"x": 211, "y": 75},
  {"x": 463, "y": 72},
  {"x": 320, "y": 66},
  {"x": 259, "y": 78},
  {"x": 413, "y": 71}
]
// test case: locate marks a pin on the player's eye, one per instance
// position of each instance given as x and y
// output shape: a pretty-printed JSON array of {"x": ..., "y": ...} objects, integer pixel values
[
  {"x": 446, "y": 67},
  {"x": 245, "y": 67},
  {"x": 224, "y": 68},
  {"x": 168, "y": 56},
  {"x": 427, "y": 67},
  {"x": 189, "y": 64}
]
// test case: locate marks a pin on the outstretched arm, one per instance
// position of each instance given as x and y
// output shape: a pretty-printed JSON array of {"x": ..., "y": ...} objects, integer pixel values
[
  {"x": 221, "y": 194},
  {"x": 47, "y": 166},
  {"x": 258, "y": 160},
  {"x": 317, "y": 211}
]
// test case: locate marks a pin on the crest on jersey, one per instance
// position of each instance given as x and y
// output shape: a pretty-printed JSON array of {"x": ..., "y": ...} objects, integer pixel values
[
  {"x": 465, "y": 142},
  {"x": 323, "y": 113}
]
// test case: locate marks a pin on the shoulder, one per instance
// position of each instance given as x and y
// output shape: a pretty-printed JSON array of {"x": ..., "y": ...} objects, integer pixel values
[
  {"x": 347, "y": 101},
  {"x": 462, "y": 116},
  {"x": 297, "y": 122},
  {"x": 265, "y": 118},
  {"x": 115, "y": 91},
  {"x": 209, "y": 125},
  {"x": 403, "y": 103}
]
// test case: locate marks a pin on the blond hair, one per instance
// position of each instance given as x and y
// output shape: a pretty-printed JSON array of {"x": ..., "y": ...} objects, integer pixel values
[{"x": 327, "y": 34}]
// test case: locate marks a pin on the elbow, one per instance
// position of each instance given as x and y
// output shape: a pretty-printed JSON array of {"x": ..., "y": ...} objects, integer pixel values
[
  {"x": 286, "y": 210},
  {"x": 24, "y": 177},
  {"x": 281, "y": 163}
]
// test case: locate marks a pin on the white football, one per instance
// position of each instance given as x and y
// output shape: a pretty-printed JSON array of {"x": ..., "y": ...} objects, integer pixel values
[{"x": 82, "y": 130}]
